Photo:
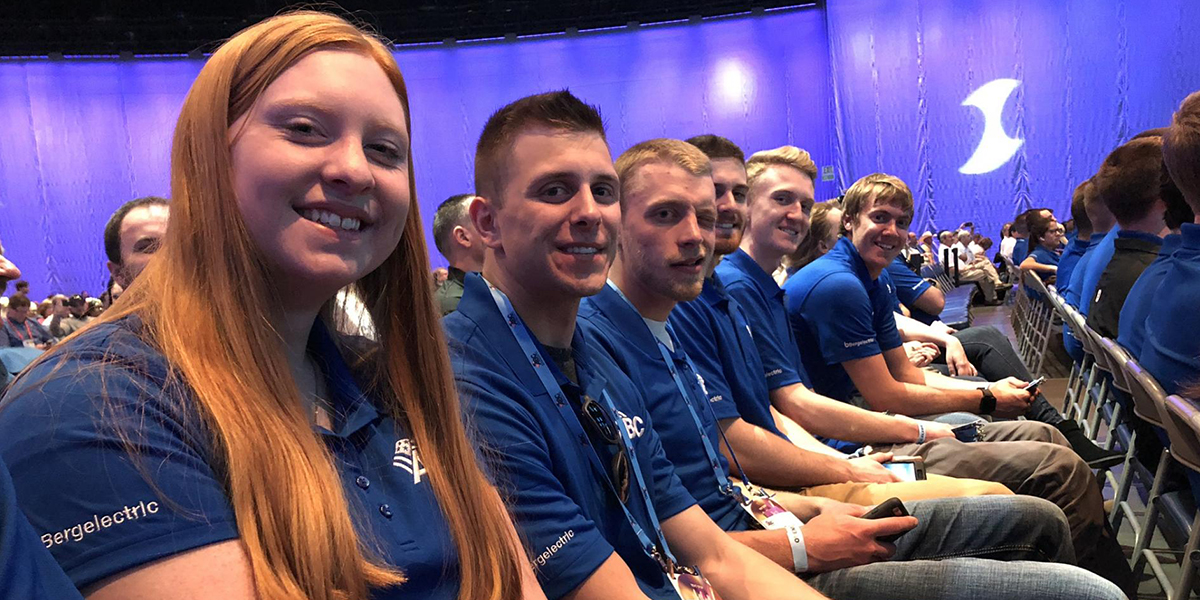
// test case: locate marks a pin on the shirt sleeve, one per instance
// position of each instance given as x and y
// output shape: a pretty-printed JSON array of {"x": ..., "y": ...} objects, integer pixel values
[
  {"x": 840, "y": 314},
  {"x": 565, "y": 545},
  {"x": 100, "y": 509},
  {"x": 700, "y": 343},
  {"x": 779, "y": 369}
]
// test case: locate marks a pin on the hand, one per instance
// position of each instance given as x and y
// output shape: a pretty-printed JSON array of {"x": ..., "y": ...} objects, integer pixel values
[
  {"x": 956, "y": 359},
  {"x": 933, "y": 429},
  {"x": 1011, "y": 400},
  {"x": 869, "y": 469},
  {"x": 807, "y": 508},
  {"x": 920, "y": 354},
  {"x": 838, "y": 541}
]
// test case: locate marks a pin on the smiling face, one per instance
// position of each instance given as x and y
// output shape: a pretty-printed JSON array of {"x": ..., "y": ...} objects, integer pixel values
[
  {"x": 554, "y": 230},
  {"x": 729, "y": 179},
  {"x": 320, "y": 170},
  {"x": 878, "y": 233},
  {"x": 668, "y": 230},
  {"x": 781, "y": 201}
]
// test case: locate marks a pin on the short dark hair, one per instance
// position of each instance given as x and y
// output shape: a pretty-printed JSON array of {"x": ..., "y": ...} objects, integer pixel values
[
  {"x": 1038, "y": 228},
  {"x": 1079, "y": 215},
  {"x": 1181, "y": 149},
  {"x": 112, "y": 230},
  {"x": 1156, "y": 132},
  {"x": 1020, "y": 224},
  {"x": 18, "y": 301},
  {"x": 1178, "y": 210},
  {"x": 21, "y": 284},
  {"x": 449, "y": 213},
  {"x": 715, "y": 146},
  {"x": 1128, "y": 182},
  {"x": 559, "y": 110}
]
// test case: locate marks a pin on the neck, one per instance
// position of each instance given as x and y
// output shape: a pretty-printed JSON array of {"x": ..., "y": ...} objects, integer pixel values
[
  {"x": 550, "y": 319},
  {"x": 712, "y": 265},
  {"x": 648, "y": 304},
  {"x": 1152, "y": 224},
  {"x": 467, "y": 264},
  {"x": 294, "y": 326},
  {"x": 766, "y": 258}
]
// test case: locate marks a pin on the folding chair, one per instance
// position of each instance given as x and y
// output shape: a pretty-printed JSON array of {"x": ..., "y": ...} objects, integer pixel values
[
  {"x": 1182, "y": 419},
  {"x": 1149, "y": 404}
]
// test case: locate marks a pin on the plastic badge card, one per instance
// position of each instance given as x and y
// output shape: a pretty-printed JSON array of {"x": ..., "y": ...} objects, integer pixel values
[
  {"x": 768, "y": 513},
  {"x": 691, "y": 585}
]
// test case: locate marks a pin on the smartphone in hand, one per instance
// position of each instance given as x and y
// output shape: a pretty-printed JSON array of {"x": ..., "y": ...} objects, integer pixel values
[
  {"x": 1032, "y": 386},
  {"x": 892, "y": 507}
]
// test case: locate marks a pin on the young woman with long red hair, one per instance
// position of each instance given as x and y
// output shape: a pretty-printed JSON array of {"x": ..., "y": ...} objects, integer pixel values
[{"x": 170, "y": 450}]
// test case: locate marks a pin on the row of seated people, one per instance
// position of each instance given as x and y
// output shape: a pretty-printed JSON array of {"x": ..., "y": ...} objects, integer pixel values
[{"x": 628, "y": 404}]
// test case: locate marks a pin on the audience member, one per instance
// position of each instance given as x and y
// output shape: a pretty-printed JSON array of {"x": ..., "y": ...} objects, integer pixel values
[
  {"x": 439, "y": 276},
  {"x": 133, "y": 234},
  {"x": 59, "y": 312},
  {"x": 1172, "y": 340},
  {"x": 254, "y": 446},
  {"x": 960, "y": 263},
  {"x": 1131, "y": 331},
  {"x": 459, "y": 243},
  {"x": 1044, "y": 238},
  {"x": 826, "y": 222},
  {"x": 1079, "y": 242},
  {"x": 547, "y": 211},
  {"x": 21, "y": 329},
  {"x": 667, "y": 222},
  {"x": 842, "y": 315},
  {"x": 1129, "y": 184},
  {"x": 77, "y": 317},
  {"x": 22, "y": 287},
  {"x": 1100, "y": 249},
  {"x": 1007, "y": 241}
]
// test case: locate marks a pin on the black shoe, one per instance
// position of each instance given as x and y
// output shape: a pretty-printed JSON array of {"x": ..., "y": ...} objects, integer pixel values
[{"x": 1095, "y": 456}]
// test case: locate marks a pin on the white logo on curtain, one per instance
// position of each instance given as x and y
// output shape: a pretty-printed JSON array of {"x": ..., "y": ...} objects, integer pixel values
[{"x": 995, "y": 147}]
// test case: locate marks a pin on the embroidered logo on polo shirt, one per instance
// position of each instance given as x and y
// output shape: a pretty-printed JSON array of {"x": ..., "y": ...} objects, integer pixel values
[
  {"x": 407, "y": 458},
  {"x": 634, "y": 426},
  {"x": 702, "y": 386},
  {"x": 859, "y": 343}
]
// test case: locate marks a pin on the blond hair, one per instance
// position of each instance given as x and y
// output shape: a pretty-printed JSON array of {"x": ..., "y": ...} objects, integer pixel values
[
  {"x": 883, "y": 188},
  {"x": 660, "y": 150},
  {"x": 292, "y": 515},
  {"x": 784, "y": 156}
]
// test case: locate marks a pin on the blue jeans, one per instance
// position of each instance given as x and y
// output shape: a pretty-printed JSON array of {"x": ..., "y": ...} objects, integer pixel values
[{"x": 982, "y": 548}]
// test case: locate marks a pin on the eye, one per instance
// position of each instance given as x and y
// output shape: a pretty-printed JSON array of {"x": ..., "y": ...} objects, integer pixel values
[
  {"x": 604, "y": 193},
  {"x": 706, "y": 220},
  {"x": 387, "y": 154},
  {"x": 556, "y": 192},
  {"x": 302, "y": 128},
  {"x": 739, "y": 196}
]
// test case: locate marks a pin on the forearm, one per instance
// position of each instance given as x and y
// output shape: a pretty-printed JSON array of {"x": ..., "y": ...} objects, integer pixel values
[
  {"x": 756, "y": 561},
  {"x": 912, "y": 330},
  {"x": 936, "y": 380},
  {"x": 770, "y": 460},
  {"x": 801, "y": 437},
  {"x": 838, "y": 420},
  {"x": 917, "y": 400}
]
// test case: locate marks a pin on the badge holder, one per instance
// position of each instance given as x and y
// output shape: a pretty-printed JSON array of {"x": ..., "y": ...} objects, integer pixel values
[{"x": 763, "y": 508}]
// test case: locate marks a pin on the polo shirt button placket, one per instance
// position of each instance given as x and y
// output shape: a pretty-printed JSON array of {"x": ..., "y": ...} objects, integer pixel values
[
  {"x": 362, "y": 482},
  {"x": 385, "y": 510}
]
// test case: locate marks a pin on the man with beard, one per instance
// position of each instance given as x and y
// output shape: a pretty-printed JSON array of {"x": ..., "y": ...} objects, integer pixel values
[{"x": 667, "y": 235}]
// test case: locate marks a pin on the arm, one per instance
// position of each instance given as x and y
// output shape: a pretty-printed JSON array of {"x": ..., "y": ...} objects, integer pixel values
[
  {"x": 1031, "y": 264},
  {"x": 829, "y": 418},
  {"x": 834, "y": 540},
  {"x": 220, "y": 570},
  {"x": 890, "y": 383},
  {"x": 932, "y": 301},
  {"x": 773, "y": 461},
  {"x": 798, "y": 436},
  {"x": 956, "y": 356},
  {"x": 735, "y": 571},
  {"x": 612, "y": 580}
]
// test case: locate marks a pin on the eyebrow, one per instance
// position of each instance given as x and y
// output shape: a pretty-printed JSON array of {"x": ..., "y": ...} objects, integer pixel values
[{"x": 328, "y": 111}]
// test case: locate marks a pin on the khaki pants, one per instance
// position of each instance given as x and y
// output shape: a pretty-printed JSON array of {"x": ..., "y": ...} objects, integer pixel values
[{"x": 937, "y": 486}]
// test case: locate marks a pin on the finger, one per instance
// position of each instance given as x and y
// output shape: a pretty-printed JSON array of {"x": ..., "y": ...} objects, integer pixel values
[
  {"x": 883, "y": 550},
  {"x": 881, "y": 457},
  {"x": 892, "y": 526}
]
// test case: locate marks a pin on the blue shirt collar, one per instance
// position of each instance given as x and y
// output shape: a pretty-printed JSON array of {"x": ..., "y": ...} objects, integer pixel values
[
  {"x": 1190, "y": 232},
  {"x": 354, "y": 410},
  {"x": 1170, "y": 244},
  {"x": 845, "y": 252},
  {"x": 478, "y": 306},
  {"x": 1138, "y": 235},
  {"x": 762, "y": 279},
  {"x": 625, "y": 317},
  {"x": 1096, "y": 237}
]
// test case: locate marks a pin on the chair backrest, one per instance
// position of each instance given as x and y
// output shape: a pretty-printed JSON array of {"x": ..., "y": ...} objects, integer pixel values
[
  {"x": 1149, "y": 399},
  {"x": 1035, "y": 282},
  {"x": 1117, "y": 357},
  {"x": 1183, "y": 427}
]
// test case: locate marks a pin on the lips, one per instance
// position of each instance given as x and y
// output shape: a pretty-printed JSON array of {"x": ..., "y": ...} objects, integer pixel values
[
  {"x": 336, "y": 216},
  {"x": 583, "y": 250}
]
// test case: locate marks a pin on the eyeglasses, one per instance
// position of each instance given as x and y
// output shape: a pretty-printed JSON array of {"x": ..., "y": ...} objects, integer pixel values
[{"x": 600, "y": 424}]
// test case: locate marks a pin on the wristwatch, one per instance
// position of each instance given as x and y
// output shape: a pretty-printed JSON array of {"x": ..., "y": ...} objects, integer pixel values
[{"x": 987, "y": 404}]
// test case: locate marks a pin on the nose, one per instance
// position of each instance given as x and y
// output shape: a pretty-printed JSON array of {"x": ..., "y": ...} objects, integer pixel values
[
  {"x": 348, "y": 168},
  {"x": 691, "y": 234},
  {"x": 8, "y": 270},
  {"x": 585, "y": 210}
]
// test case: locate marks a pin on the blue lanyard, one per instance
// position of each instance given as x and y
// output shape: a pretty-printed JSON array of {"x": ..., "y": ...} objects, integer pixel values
[
  {"x": 723, "y": 483},
  {"x": 521, "y": 333}
]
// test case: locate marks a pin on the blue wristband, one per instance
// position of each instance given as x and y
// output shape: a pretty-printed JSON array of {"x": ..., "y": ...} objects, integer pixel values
[{"x": 920, "y": 433}]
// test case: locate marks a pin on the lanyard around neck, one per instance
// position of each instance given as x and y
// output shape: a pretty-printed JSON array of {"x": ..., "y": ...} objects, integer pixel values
[{"x": 660, "y": 553}]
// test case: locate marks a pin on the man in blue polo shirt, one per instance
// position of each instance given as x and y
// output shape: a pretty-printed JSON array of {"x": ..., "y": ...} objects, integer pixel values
[
  {"x": 668, "y": 222},
  {"x": 1100, "y": 248},
  {"x": 567, "y": 435},
  {"x": 1142, "y": 296},
  {"x": 1078, "y": 244},
  {"x": 842, "y": 316},
  {"x": 1129, "y": 184},
  {"x": 1172, "y": 342}
]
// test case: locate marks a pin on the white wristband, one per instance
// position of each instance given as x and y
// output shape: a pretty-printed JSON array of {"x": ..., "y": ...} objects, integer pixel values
[{"x": 799, "y": 554}]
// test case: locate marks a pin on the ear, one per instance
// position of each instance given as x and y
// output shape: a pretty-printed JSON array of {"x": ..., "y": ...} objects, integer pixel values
[
  {"x": 461, "y": 235},
  {"x": 483, "y": 212},
  {"x": 118, "y": 274}
]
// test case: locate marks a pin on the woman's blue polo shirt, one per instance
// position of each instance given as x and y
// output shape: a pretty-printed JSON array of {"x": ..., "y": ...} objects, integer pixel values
[{"x": 90, "y": 502}]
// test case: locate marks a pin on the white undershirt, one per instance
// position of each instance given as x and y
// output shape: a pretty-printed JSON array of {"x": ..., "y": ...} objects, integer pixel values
[{"x": 659, "y": 329}]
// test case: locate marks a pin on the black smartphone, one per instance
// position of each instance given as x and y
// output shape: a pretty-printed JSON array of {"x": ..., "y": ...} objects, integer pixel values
[
  {"x": 892, "y": 507},
  {"x": 967, "y": 432},
  {"x": 909, "y": 468},
  {"x": 1033, "y": 385}
]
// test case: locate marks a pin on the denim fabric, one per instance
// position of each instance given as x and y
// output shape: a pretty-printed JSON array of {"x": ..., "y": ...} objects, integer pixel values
[
  {"x": 994, "y": 358},
  {"x": 1026, "y": 540}
]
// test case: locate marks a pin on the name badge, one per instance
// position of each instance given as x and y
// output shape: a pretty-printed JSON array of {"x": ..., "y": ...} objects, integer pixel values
[
  {"x": 691, "y": 585},
  {"x": 765, "y": 511},
  {"x": 29, "y": 343}
]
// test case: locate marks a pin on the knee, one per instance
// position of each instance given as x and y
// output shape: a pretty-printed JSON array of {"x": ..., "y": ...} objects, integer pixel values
[{"x": 1036, "y": 431}]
